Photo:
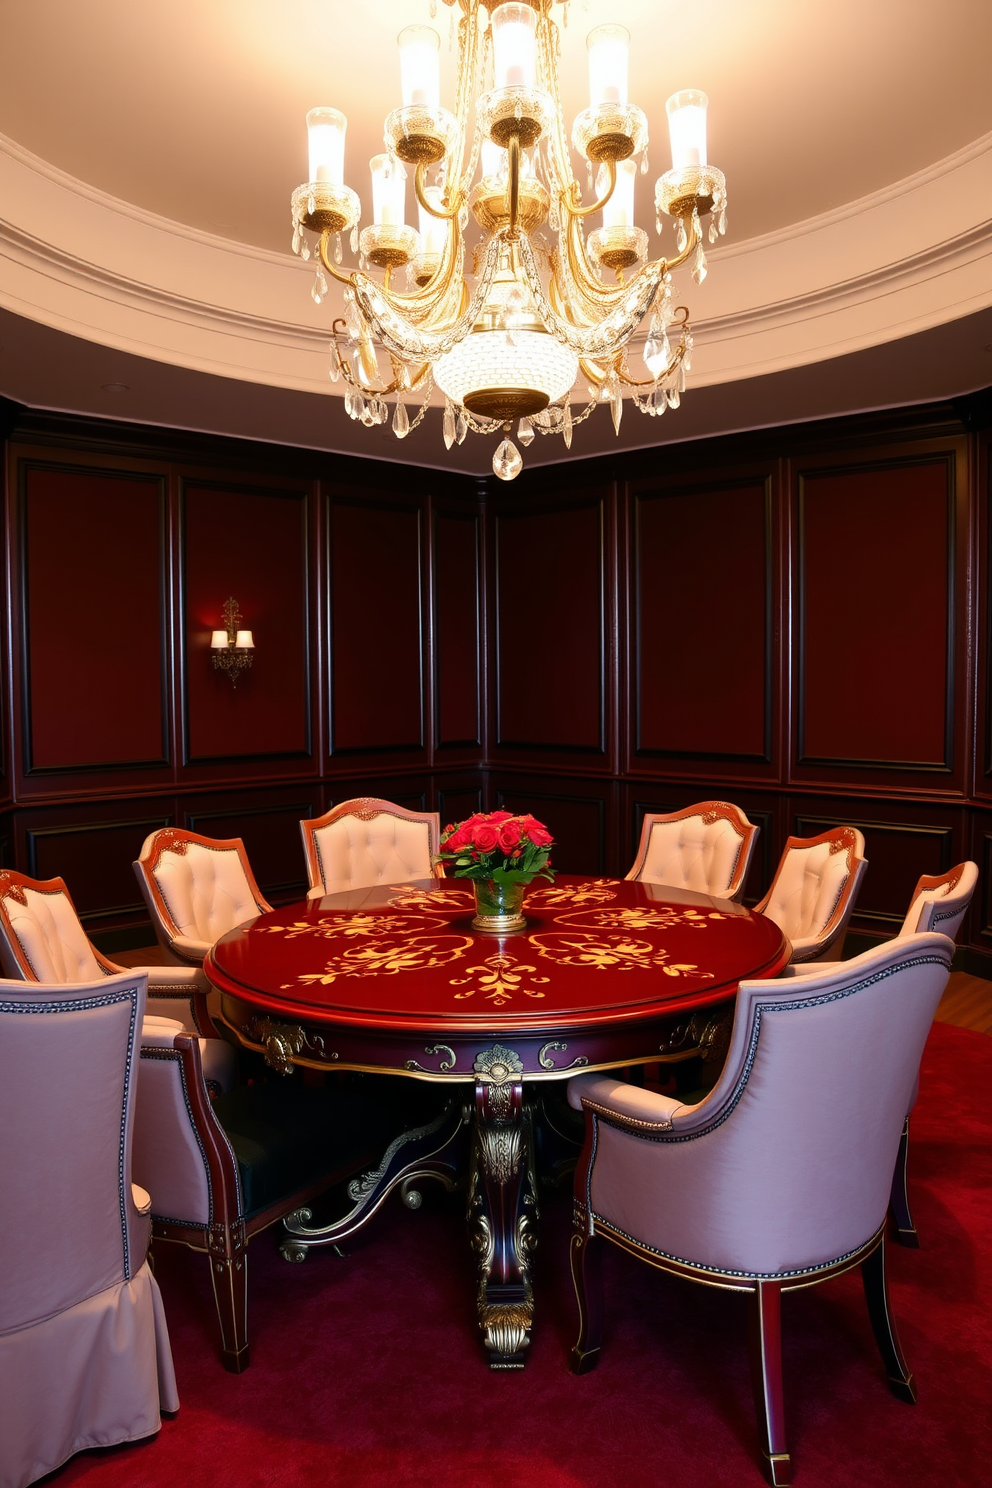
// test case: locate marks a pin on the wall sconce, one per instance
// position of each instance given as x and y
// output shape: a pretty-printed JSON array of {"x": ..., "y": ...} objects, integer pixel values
[{"x": 232, "y": 648}]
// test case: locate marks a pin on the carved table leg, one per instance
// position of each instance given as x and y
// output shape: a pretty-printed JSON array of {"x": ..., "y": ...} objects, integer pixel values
[
  {"x": 431, "y": 1151},
  {"x": 502, "y": 1216}
]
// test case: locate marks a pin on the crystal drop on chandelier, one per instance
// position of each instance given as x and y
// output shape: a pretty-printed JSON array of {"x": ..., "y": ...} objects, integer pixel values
[
  {"x": 448, "y": 425},
  {"x": 401, "y": 421},
  {"x": 525, "y": 432},
  {"x": 699, "y": 266},
  {"x": 507, "y": 463}
]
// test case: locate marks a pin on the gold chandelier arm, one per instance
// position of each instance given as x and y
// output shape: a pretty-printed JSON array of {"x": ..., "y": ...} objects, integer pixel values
[
  {"x": 338, "y": 328},
  {"x": 409, "y": 340},
  {"x": 567, "y": 198},
  {"x": 445, "y": 213},
  {"x": 593, "y": 372},
  {"x": 513, "y": 162},
  {"x": 694, "y": 237},
  {"x": 592, "y": 289},
  {"x": 344, "y": 276},
  {"x": 606, "y": 337}
]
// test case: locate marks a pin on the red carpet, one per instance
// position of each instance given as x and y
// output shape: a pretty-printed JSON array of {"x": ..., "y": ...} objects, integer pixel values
[{"x": 366, "y": 1371}]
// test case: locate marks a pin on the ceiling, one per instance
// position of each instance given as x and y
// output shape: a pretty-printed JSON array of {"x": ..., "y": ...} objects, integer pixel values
[{"x": 148, "y": 154}]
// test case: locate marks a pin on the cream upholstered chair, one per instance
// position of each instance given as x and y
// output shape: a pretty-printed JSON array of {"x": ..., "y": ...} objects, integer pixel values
[
  {"x": 84, "y": 1347},
  {"x": 218, "y": 1172},
  {"x": 814, "y": 891},
  {"x": 938, "y": 903},
  {"x": 780, "y": 1177},
  {"x": 941, "y": 902},
  {"x": 364, "y": 842},
  {"x": 706, "y": 847},
  {"x": 42, "y": 940},
  {"x": 196, "y": 888}
]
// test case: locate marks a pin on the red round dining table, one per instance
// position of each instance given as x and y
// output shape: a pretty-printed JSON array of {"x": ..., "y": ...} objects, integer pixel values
[{"x": 394, "y": 979}]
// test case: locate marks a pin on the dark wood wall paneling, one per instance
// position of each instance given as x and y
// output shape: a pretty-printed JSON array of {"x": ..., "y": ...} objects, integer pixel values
[
  {"x": 553, "y": 618},
  {"x": 798, "y": 639},
  {"x": 783, "y": 619},
  {"x": 121, "y": 549},
  {"x": 249, "y": 544}
]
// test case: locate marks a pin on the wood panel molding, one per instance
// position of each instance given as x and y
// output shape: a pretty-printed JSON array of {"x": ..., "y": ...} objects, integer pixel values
[
  {"x": 879, "y": 600},
  {"x": 702, "y": 627}
]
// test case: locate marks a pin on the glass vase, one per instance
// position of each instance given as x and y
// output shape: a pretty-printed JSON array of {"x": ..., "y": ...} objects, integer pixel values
[{"x": 498, "y": 906}]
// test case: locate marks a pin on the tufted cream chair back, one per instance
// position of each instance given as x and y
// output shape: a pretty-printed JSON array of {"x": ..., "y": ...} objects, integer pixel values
[
  {"x": 706, "y": 847},
  {"x": 40, "y": 934},
  {"x": 197, "y": 888},
  {"x": 941, "y": 903},
  {"x": 206, "y": 890},
  {"x": 367, "y": 841},
  {"x": 814, "y": 890}
]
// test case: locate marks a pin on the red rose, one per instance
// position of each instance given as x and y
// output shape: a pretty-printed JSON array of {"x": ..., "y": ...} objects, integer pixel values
[
  {"x": 499, "y": 816},
  {"x": 456, "y": 841},
  {"x": 485, "y": 837},
  {"x": 509, "y": 834},
  {"x": 538, "y": 833}
]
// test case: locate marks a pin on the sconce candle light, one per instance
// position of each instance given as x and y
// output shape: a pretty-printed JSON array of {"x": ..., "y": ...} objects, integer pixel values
[{"x": 232, "y": 648}]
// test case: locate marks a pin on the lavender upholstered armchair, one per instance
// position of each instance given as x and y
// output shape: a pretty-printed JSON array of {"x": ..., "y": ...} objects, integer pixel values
[
  {"x": 706, "y": 847},
  {"x": 780, "y": 1177},
  {"x": 84, "y": 1348},
  {"x": 364, "y": 842},
  {"x": 938, "y": 903},
  {"x": 42, "y": 940}
]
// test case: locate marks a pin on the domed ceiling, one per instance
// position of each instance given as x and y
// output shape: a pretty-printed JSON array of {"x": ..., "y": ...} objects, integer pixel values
[{"x": 147, "y": 156}]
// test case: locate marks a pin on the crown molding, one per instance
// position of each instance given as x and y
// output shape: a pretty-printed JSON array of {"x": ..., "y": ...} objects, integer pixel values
[{"x": 914, "y": 255}]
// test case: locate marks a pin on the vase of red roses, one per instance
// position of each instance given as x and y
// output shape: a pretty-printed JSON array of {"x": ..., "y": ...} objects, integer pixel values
[{"x": 501, "y": 854}]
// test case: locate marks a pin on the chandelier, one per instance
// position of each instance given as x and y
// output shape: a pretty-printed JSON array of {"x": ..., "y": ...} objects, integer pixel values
[{"x": 539, "y": 308}]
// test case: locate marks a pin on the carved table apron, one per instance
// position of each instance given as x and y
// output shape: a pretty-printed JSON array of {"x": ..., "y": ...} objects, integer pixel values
[{"x": 393, "y": 979}]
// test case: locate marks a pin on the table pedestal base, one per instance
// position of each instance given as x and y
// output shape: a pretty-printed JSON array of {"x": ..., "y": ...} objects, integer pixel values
[
  {"x": 502, "y": 1209},
  {"x": 502, "y": 1219}
]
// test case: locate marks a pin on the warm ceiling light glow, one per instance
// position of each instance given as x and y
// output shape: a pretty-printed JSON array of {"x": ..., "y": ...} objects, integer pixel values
[{"x": 543, "y": 305}]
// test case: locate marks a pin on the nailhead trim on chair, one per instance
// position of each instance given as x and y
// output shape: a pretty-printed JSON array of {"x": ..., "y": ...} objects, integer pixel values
[{"x": 605, "y": 1225}]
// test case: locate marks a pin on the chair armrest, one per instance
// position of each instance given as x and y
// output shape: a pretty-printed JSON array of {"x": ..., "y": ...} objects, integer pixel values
[
  {"x": 141, "y": 1198},
  {"x": 806, "y": 947},
  {"x": 643, "y": 1109},
  {"x": 189, "y": 949},
  {"x": 159, "y": 1033},
  {"x": 188, "y": 987},
  {"x": 185, "y": 979},
  {"x": 317, "y": 892}
]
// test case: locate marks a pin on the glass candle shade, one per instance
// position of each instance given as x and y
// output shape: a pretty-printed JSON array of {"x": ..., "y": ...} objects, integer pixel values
[
  {"x": 619, "y": 210},
  {"x": 218, "y": 640},
  {"x": 244, "y": 641},
  {"x": 609, "y": 49},
  {"x": 687, "y": 127},
  {"x": 494, "y": 159},
  {"x": 515, "y": 46},
  {"x": 420, "y": 78},
  {"x": 433, "y": 230},
  {"x": 388, "y": 191},
  {"x": 325, "y": 132}
]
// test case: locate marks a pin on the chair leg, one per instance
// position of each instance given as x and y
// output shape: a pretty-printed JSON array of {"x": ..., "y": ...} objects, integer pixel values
[
  {"x": 899, "y": 1198},
  {"x": 765, "y": 1343},
  {"x": 229, "y": 1275},
  {"x": 877, "y": 1297},
  {"x": 585, "y": 1256}
]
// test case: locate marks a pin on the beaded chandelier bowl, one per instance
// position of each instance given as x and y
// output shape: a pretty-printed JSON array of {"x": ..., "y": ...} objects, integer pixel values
[{"x": 542, "y": 309}]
